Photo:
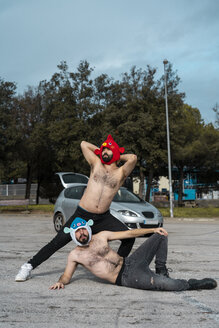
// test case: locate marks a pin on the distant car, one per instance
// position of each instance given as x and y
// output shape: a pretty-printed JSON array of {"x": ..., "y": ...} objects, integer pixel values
[{"x": 126, "y": 207}]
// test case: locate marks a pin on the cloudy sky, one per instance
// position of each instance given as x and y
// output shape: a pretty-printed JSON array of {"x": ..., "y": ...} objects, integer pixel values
[{"x": 114, "y": 35}]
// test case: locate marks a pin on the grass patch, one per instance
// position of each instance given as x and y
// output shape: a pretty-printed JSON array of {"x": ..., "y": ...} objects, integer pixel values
[
  {"x": 31, "y": 208},
  {"x": 189, "y": 212},
  {"x": 43, "y": 208},
  {"x": 179, "y": 212}
]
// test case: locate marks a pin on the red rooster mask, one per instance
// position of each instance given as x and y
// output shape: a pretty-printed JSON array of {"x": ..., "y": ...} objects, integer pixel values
[{"x": 112, "y": 145}]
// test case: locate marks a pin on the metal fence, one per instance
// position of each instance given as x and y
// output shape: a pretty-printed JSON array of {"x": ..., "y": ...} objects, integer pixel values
[{"x": 17, "y": 190}]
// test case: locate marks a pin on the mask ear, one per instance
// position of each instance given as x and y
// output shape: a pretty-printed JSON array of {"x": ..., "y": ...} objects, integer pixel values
[
  {"x": 90, "y": 222},
  {"x": 66, "y": 230},
  {"x": 97, "y": 151},
  {"x": 121, "y": 150}
]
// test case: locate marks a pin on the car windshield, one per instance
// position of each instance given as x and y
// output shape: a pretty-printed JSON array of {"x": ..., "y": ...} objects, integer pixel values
[
  {"x": 125, "y": 196},
  {"x": 74, "y": 178}
]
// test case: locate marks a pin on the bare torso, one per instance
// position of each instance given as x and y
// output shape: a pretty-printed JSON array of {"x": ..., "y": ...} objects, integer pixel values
[
  {"x": 103, "y": 184},
  {"x": 99, "y": 258}
]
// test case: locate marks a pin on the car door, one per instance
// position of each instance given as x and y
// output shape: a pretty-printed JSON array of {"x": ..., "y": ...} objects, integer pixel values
[{"x": 72, "y": 196}]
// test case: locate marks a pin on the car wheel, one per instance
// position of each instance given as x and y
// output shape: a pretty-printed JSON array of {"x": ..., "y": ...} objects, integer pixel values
[{"x": 59, "y": 221}]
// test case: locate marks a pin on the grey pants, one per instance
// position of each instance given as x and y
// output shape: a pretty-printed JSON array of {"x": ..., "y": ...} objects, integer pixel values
[{"x": 137, "y": 274}]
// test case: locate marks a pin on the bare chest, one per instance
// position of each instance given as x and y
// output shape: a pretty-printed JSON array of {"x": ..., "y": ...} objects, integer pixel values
[
  {"x": 106, "y": 178},
  {"x": 98, "y": 255}
]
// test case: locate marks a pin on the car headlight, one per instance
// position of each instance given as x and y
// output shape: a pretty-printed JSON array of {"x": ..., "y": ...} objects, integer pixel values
[
  {"x": 127, "y": 213},
  {"x": 159, "y": 214}
]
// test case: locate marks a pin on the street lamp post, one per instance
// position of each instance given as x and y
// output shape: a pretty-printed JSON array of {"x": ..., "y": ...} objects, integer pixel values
[{"x": 168, "y": 141}]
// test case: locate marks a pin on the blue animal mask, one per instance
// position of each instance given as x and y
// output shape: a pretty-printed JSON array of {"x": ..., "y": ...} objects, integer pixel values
[{"x": 79, "y": 223}]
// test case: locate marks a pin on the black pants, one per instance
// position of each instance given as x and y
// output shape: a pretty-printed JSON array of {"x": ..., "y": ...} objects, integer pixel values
[
  {"x": 137, "y": 274},
  {"x": 102, "y": 222}
]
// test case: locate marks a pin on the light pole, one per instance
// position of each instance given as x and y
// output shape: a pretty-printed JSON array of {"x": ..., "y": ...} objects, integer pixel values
[{"x": 165, "y": 62}]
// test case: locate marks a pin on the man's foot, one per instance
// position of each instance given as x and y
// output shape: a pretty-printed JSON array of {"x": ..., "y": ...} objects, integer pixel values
[
  {"x": 24, "y": 272},
  {"x": 206, "y": 283},
  {"x": 163, "y": 271}
]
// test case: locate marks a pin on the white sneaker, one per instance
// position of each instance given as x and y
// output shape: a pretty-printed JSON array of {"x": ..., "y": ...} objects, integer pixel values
[{"x": 24, "y": 272}]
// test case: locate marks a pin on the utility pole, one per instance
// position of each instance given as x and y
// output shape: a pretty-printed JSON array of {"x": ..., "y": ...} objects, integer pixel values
[{"x": 165, "y": 62}]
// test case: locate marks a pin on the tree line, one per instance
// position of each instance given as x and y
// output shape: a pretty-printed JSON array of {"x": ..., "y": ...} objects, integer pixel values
[{"x": 41, "y": 130}]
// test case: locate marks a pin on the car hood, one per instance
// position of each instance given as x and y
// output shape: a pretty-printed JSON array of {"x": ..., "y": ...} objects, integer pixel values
[{"x": 137, "y": 207}]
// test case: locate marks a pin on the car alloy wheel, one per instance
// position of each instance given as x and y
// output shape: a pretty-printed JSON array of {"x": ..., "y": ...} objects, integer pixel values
[{"x": 58, "y": 221}]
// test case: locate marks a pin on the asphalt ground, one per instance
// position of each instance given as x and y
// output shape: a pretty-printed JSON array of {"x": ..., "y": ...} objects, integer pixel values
[{"x": 89, "y": 302}]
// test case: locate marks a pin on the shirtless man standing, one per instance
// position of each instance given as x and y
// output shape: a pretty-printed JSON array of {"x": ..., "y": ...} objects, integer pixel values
[
  {"x": 94, "y": 253},
  {"x": 105, "y": 180}
]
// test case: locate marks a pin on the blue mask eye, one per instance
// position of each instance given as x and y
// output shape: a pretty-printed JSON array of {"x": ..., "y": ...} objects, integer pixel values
[
  {"x": 83, "y": 222},
  {"x": 110, "y": 143},
  {"x": 74, "y": 225}
]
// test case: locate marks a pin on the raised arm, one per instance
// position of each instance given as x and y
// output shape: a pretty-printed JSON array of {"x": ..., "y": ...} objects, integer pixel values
[
  {"x": 88, "y": 152},
  {"x": 67, "y": 275},
  {"x": 110, "y": 235},
  {"x": 130, "y": 162}
]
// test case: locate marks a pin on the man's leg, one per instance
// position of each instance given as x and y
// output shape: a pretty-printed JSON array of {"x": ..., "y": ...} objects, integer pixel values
[
  {"x": 59, "y": 241},
  {"x": 138, "y": 275},
  {"x": 108, "y": 222},
  {"x": 156, "y": 245}
]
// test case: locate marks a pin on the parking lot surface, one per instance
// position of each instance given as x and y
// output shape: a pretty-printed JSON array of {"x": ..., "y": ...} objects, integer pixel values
[{"x": 89, "y": 302}]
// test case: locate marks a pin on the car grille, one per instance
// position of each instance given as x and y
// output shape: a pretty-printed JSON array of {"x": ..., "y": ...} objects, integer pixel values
[
  {"x": 148, "y": 226},
  {"x": 148, "y": 215},
  {"x": 132, "y": 225}
]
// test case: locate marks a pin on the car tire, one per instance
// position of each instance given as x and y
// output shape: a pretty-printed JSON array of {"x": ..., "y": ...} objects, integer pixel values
[{"x": 58, "y": 221}]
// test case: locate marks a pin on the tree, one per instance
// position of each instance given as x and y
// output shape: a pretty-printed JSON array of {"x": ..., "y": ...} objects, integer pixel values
[
  {"x": 208, "y": 169},
  {"x": 33, "y": 148},
  {"x": 8, "y": 137},
  {"x": 133, "y": 115},
  {"x": 41, "y": 131},
  {"x": 70, "y": 100},
  {"x": 186, "y": 142},
  {"x": 216, "y": 110}
]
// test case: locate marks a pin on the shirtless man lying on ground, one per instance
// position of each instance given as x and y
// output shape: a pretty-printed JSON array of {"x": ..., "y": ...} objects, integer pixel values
[{"x": 94, "y": 253}]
